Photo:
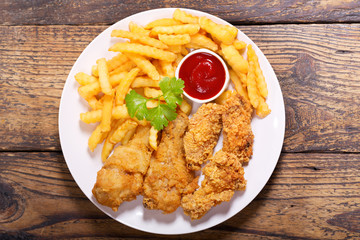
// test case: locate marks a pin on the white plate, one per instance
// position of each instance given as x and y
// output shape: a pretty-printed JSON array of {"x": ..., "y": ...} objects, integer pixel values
[{"x": 84, "y": 165}]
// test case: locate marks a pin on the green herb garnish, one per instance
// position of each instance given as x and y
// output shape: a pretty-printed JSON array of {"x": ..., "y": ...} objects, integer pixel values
[{"x": 159, "y": 116}]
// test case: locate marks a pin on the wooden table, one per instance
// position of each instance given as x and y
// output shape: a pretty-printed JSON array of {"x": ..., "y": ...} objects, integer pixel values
[{"x": 314, "y": 48}]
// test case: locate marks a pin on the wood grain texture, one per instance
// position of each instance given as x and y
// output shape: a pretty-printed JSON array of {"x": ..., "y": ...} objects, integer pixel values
[
  {"x": 34, "y": 64},
  {"x": 318, "y": 194},
  {"x": 22, "y": 12},
  {"x": 318, "y": 67}
]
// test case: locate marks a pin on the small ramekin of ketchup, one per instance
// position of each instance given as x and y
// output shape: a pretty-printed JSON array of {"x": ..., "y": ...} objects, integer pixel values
[{"x": 205, "y": 75}]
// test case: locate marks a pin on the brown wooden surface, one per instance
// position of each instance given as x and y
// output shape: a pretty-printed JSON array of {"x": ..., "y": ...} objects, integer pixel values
[
  {"x": 20, "y": 12},
  {"x": 317, "y": 193},
  {"x": 314, "y": 192}
]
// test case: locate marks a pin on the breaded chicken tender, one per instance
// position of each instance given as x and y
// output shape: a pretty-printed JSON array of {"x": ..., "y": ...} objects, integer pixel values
[
  {"x": 168, "y": 178},
  {"x": 202, "y": 136},
  {"x": 237, "y": 133},
  {"x": 224, "y": 174},
  {"x": 121, "y": 177}
]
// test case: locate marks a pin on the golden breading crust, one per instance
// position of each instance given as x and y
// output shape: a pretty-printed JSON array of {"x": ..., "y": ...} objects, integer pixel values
[
  {"x": 224, "y": 174},
  {"x": 238, "y": 136},
  {"x": 168, "y": 177},
  {"x": 202, "y": 136},
  {"x": 121, "y": 177}
]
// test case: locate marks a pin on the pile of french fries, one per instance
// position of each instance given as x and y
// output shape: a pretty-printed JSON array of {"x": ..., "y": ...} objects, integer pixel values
[{"x": 151, "y": 53}]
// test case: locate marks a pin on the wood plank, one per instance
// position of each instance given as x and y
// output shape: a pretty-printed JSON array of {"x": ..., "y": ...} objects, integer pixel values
[
  {"x": 317, "y": 193},
  {"x": 34, "y": 64},
  {"x": 23, "y": 12},
  {"x": 318, "y": 67}
]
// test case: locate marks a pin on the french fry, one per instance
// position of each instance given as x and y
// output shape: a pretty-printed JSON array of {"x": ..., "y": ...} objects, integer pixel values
[
  {"x": 234, "y": 58},
  {"x": 116, "y": 61},
  {"x": 91, "y": 116},
  {"x": 112, "y": 64},
  {"x": 143, "y": 50},
  {"x": 185, "y": 107},
  {"x": 203, "y": 41},
  {"x": 184, "y": 17},
  {"x": 144, "y": 82},
  {"x": 120, "y": 112},
  {"x": 116, "y": 79},
  {"x": 153, "y": 137},
  {"x": 177, "y": 29},
  {"x": 139, "y": 38},
  {"x": 123, "y": 87},
  {"x": 238, "y": 84},
  {"x": 107, "y": 113},
  {"x": 94, "y": 103},
  {"x": 152, "y": 92},
  {"x": 260, "y": 79},
  {"x": 121, "y": 131},
  {"x": 106, "y": 149},
  {"x": 242, "y": 77},
  {"x": 156, "y": 63},
  {"x": 96, "y": 137},
  {"x": 95, "y": 71},
  {"x": 104, "y": 77},
  {"x": 178, "y": 39},
  {"x": 223, "y": 33},
  {"x": 145, "y": 65},
  {"x": 152, "y": 103},
  {"x": 125, "y": 67},
  {"x": 129, "y": 134},
  {"x": 162, "y": 22},
  {"x": 233, "y": 30},
  {"x": 84, "y": 79},
  {"x": 239, "y": 45},
  {"x": 135, "y": 28},
  {"x": 251, "y": 86},
  {"x": 263, "y": 109},
  {"x": 167, "y": 68},
  {"x": 89, "y": 90},
  {"x": 109, "y": 146},
  {"x": 192, "y": 46},
  {"x": 174, "y": 48}
]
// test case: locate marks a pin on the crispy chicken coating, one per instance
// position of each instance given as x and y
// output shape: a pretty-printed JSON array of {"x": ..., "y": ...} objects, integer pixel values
[
  {"x": 121, "y": 177},
  {"x": 237, "y": 133},
  {"x": 202, "y": 136},
  {"x": 168, "y": 178},
  {"x": 224, "y": 174}
]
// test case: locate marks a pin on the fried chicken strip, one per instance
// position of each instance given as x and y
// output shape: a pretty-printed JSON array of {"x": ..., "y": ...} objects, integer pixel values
[
  {"x": 203, "y": 134},
  {"x": 121, "y": 177},
  {"x": 237, "y": 133},
  {"x": 168, "y": 176},
  {"x": 224, "y": 174}
]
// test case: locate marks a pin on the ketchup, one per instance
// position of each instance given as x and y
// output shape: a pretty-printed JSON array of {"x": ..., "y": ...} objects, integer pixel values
[{"x": 203, "y": 74}]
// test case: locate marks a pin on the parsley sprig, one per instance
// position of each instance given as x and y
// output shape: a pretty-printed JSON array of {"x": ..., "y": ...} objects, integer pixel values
[{"x": 161, "y": 115}]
